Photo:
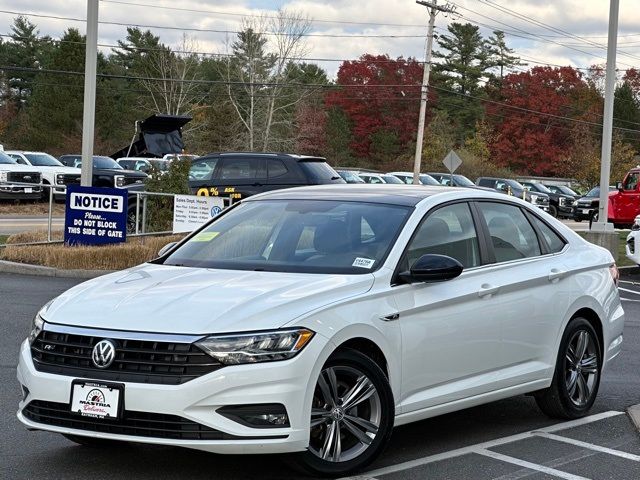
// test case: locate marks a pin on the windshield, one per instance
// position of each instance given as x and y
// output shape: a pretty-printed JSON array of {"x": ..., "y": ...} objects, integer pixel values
[
  {"x": 428, "y": 180},
  {"x": 162, "y": 165},
  {"x": 307, "y": 236},
  {"x": 567, "y": 190},
  {"x": 538, "y": 187},
  {"x": 594, "y": 192},
  {"x": 42, "y": 160},
  {"x": 106, "y": 163},
  {"x": 463, "y": 181},
  {"x": 4, "y": 158},
  {"x": 514, "y": 184},
  {"x": 350, "y": 177},
  {"x": 391, "y": 179}
]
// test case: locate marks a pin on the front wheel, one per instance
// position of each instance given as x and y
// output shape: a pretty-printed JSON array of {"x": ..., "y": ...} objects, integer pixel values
[
  {"x": 352, "y": 416},
  {"x": 553, "y": 211},
  {"x": 577, "y": 376}
]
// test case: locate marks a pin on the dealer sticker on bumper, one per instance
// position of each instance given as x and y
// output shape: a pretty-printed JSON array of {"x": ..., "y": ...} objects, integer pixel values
[{"x": 95, "y": 400}]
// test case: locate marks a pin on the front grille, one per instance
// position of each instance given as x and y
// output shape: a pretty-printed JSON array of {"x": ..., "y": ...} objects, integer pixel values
[
  {"x": 132, "y": 181},
  {"x": 139, "y": 424},
  {"x": 23, "y": 177},
  {"x": 70, "y": 179},
  {"x": 138, "y": 361}
]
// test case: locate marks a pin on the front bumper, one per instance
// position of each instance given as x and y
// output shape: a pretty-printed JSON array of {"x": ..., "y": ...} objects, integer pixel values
[
  {"x": 285, "y": 382},
  {"x": 14, "y": 192}
]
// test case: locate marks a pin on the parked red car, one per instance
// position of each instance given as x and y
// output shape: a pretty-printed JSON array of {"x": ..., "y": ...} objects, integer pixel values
[{"x": 624, "y": 204}]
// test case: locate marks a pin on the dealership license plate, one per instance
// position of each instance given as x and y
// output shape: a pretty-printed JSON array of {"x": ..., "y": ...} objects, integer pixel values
[
  {"x": 585, "y": 211},
  {"x": 97, "y": 400},
  {"x": 28, "y": 190}
]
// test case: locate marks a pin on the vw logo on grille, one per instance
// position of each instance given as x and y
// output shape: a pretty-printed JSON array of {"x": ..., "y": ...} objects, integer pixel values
[{"x": 104, "y": 353}]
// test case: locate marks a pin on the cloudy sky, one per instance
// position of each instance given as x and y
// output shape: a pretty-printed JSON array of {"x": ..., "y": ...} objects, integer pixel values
[{"x": 373, "y": 21}]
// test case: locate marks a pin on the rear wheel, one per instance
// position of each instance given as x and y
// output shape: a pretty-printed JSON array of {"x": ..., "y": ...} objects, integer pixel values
[
  {"x": 351, "y": 417},
  {"x": 577, "y": 376}
]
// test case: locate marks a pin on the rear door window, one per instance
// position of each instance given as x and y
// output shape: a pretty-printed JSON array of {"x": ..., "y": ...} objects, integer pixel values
[
  {"x": 241, "y": 170},
  {"x": 512, "y": 236}
]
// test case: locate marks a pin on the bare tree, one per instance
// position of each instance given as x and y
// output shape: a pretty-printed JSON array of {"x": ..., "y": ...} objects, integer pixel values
[{"x": 171, "y": 78}]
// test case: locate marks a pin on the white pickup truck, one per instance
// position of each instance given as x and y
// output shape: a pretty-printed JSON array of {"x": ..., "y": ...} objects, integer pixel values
[
  {"x": 13, "y": 178},
  {"x": 53, "y": 172}
]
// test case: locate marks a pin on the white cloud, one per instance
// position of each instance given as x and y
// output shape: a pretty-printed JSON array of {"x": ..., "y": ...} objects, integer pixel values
[{"x": 587, "y": 18}]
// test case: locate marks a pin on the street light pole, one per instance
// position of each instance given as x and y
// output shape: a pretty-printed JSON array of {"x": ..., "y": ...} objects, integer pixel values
[
  {"x": 89, "y": 107},
  {"x": 433, "y": 11},
  {"x": 607, "y": 120}
]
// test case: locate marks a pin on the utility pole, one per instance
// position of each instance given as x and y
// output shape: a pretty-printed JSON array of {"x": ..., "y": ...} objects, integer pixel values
[
  {"x": 433, "y": 8},
  {"x": 89, "y": 107},
  {"x": 607, "y": 120}
]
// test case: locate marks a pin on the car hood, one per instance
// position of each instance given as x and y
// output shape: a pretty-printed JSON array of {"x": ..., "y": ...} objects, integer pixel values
[
  {"x": 14, "y": 167},
  {"x": 168, "y": 299},
  {"x": 119, "y": 171},
  {"x": 61, "y": 169}
]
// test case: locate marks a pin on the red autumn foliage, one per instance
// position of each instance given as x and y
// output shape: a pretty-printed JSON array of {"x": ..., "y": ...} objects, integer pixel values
[
  {"x": 372, "y": 106},
  {"x": 311, "y": 120},
  {"x": 529, "y": 142},
  {"x": 632, "y": 77}
]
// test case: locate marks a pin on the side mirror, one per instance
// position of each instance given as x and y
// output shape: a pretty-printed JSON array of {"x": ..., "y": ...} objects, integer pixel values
[
  {"x": 164, "y": 250},
  {"x": 619, "y": 186},
  {"x": 432, "y": 268}
]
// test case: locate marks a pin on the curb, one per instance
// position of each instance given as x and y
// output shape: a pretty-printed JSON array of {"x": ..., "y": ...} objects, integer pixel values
[
  {"x": 38, "y": 270},
  {"x": 634, "y": 414}
]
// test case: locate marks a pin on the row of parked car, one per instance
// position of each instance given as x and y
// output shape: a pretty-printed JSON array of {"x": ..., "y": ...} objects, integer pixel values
[{"x": 558, "y": 200}]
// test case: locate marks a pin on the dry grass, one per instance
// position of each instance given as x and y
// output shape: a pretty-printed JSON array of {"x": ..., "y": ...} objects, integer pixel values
[
  {"x": 107, "y": 257},
  {"x": 30, "y": 208}
]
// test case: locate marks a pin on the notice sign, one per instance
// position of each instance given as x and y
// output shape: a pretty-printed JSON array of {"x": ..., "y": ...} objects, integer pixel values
[
  {"x": 191, "y": 212},
  {"x": 95, "y": 216}
]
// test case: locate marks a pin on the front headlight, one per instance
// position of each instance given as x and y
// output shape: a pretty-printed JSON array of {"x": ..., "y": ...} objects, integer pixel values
[
  {"x": 60, "y": 178},
  {"x": 119, "y": 180},
  {"x": 3, "y": 176},
  {"x": 36, "y": 328},
  {"x": 256, "y": 347}
]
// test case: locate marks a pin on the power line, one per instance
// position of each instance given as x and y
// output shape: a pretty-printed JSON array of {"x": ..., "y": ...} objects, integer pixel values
[
  {"x": 312, "y": 86},
  {"x": 208, "y": 30},
  {"x": 214, "y": 12}
]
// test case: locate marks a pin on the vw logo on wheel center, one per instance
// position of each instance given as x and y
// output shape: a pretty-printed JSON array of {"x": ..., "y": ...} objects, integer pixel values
[{"x": 104, "y": 353}]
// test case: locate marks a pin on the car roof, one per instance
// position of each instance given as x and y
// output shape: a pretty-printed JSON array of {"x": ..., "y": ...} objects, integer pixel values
[
  {"x": 25, "y": 151},
  {"x": 265, "y": 155},
  {"x": 407, "y": 195}
]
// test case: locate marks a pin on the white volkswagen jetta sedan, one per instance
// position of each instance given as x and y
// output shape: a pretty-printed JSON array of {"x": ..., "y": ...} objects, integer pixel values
[{"x": 313, "y": 320}]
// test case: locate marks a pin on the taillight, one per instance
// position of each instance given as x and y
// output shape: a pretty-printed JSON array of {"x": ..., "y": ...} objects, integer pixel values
[{"x": 615, "y": 273}]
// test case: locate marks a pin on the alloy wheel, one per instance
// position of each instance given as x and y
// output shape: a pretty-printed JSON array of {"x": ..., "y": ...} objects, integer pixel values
[
  {"x": 581, "y": 367},
  {"x": 346, "y": 414}
]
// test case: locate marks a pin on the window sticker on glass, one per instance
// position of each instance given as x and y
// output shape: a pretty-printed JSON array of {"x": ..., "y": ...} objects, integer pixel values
[
  {"x": 205, "y": 236},
  {"x": 363, "y": 262}
]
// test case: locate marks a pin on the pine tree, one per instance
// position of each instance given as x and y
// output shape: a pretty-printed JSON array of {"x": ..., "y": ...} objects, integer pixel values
[
  {"x": 499, "y": 55},
  {"x": 626, "y": 114}
]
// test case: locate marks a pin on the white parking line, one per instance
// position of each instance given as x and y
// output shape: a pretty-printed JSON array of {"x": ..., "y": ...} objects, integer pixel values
[
  {"x": 485, "y": 445},
  {"x": 629, "y": 291},
  {"x": 629, "y": 300},
  {"x": 529, "y": 465},
  {"x": 590, "y": 446}
]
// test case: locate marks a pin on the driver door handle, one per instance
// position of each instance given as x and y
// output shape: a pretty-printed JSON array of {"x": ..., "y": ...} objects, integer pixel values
[
  {"x": 555, "y": 275},
  {"x": 487, "y": 290}
]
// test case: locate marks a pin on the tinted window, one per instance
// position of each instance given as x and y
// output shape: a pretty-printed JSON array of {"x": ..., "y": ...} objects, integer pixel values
[
  {"x": 486, "y": 182},
  {"x": 42, "y": 160},
  {"x": 511, "y": 233},
  {"x": 202, "y": 168},
  {"x": 128, "y": 164},
  {"x": 631, "y": 181},
  {"x": 240, "y": 169},
  {"x": 462, "y": 181},
  {"x": 427, "y": 179},
  {"x": 391, "y": 179},
  {"x": 276, "y": 168},
  {"x": 553, "y": 240},
  {"x": 6, "y": 159},
  {"x": 447, "y": 231},
  {"x": 106, "y": 163},
  {"x": 320, "y": 171},
  {"x": 311, "y": 236}
]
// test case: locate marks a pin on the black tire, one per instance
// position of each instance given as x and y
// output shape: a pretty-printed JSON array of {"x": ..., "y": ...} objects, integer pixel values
[
  {"x": 44, "y": 195},
  {"x": 553, "y": 211},
  {"x": 577, "y": 219},
  {"x": 93, "y": 442},
  {"x": 559, "y": 400},
  {"x": 349, "y": 361}
]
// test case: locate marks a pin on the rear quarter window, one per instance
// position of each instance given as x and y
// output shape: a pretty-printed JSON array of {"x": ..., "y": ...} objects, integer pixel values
[{"x": 320, "y": 172}]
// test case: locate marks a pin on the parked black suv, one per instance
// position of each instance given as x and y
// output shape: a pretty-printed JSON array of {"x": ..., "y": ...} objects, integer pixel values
[
  {"x": 515, "y": 188},
  {"x": 560, "y": 204},
  {"x": 106, "y": 172},
  {"x": 242, "y": 174},
  {"x": 586, "y": 207}
]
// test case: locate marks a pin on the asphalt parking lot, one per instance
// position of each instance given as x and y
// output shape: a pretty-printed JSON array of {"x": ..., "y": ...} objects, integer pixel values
[{"x": 509, "y": 439}]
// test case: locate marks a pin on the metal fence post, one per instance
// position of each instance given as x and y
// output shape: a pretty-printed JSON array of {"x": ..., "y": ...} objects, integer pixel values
[
  {"x": 144, "y": 214},
  {"x": 50, "y": 213},
  {"x": 137, "y": 212}
]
